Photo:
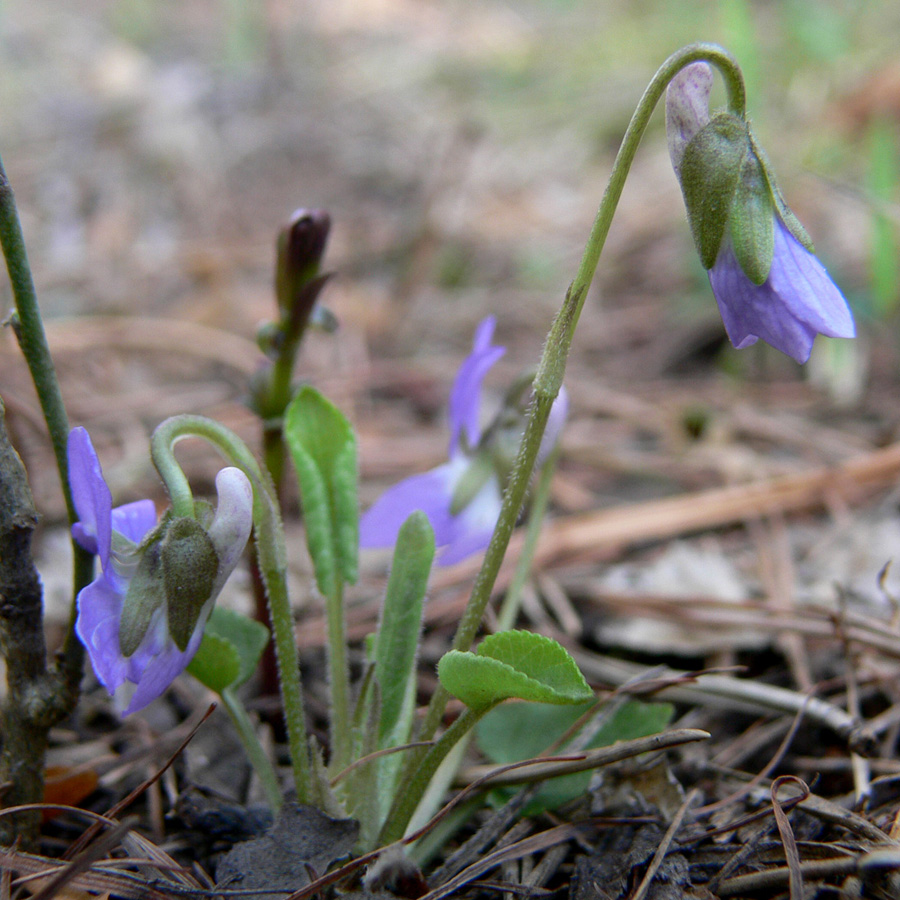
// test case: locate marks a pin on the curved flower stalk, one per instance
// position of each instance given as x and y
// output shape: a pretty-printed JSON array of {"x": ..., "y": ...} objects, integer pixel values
[
  {"x": 141, "y": 620},
  {"x": 767, "y": 281},
  {"x": 462, "y": 498}
]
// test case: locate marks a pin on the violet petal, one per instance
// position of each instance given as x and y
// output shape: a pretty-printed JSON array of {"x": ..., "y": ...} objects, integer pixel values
[
  {"x": 465, "y": 397},
  {"x": 91, "y": 496},
  {"x": 134, "y": 520},
  {"x": 430, "y": 492},
  {"x": 473, "y": 527},
  {"x": 796, "y": 302}
]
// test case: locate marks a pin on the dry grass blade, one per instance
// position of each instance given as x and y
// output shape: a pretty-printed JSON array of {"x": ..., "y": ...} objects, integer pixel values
[
  {"x": 759, "y": 776},
  {"x": 99, "y": 881},
  {"x": 787, "y": 833},
  {"x": 81, "y": 863},
  {"x": 533, "y": 844},
  {"x": 771, "y": 880},
  {"x": 718, "y": 507},
  {"x": 851, "y": 821},
  {"x": 127, "y": 801},
  {"x": 338, "y": 874},
  {"x": 663, "y": 847},
  {"x": 540, "y": 769},
  {"x": 737, "y": 693}
]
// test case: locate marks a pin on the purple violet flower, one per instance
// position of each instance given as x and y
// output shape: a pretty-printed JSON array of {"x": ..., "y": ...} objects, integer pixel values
[
  {"x": 791, "y": 298},
  {"x": 795, "y": 303},
  {"x": 458, "y": 533},
  {"x": 115, "y": 535}
]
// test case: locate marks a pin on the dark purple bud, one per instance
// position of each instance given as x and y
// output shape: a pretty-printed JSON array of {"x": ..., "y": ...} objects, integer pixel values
[{"x": 300, "y": 248}]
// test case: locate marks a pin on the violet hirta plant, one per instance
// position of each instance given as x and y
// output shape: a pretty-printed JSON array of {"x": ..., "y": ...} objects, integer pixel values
[{"x": 142, "y": 617}]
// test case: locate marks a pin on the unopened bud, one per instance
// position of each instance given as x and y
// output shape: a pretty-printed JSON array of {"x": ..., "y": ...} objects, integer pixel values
[
  {"x": 190, "y": 565},
  {"x": 300, "y": 248}
]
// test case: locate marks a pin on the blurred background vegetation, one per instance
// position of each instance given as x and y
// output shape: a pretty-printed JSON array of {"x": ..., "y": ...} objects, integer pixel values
[{"x": 461, "y": 146}]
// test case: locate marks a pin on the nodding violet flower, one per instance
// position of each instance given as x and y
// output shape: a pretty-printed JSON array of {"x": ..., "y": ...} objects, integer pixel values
[
  {"x": 462, "y": 497},
  {"x": 142, "y": 619},
  {"x": 766, "y": 278}
]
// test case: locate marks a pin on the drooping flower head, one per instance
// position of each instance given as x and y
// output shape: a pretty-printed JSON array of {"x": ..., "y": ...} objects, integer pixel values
[
  {"x": 766, "y": 278},
  {"x": 462, "y": 497},
  {"x": 141, "y": 620}
]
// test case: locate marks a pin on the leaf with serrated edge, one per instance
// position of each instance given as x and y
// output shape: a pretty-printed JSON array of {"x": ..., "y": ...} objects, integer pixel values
[{"x": 513, "y": 664}]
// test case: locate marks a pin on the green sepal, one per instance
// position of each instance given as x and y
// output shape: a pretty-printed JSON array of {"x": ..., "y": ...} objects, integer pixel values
[
  {"x": 513, "y": 665},
  {"x": 476, "y": 476},
  {"x": 710, "y": 171},
  {"x": 790, "y": 221},
  {"x": 145, "y": 595},
  {"x": 323, "y": 450},
  {"x": 230, "y": 650},
  {"x": 752, "y": 222},
  {"x": 190, "y": 565}
]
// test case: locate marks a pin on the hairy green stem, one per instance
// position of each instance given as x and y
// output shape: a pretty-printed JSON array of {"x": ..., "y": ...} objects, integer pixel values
[
  {"x": 258, "y": 758},
  {"x": 29, "y": 331},
  {"x": 38, "y": 697},
  {"x": 272, "y": 559},
  {"x": 278, "y": 395},
  {"x": 552, "y": 365},
  {"x": 411, "y": 792},
  {"x": 512, "y": 602}
]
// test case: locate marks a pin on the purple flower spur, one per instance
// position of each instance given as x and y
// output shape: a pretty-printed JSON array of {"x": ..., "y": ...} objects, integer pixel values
[{"x": 137, "y": 586}]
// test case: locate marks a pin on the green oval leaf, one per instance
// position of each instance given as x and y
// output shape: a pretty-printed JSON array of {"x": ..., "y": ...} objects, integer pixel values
[
  {"x": 230, "y": 650},
  {"x": 397, "y": 640},
  {"x": 513, "y": 664},
  {"x": 323, "y": 449},
  {"x": 216, "y": 663}
]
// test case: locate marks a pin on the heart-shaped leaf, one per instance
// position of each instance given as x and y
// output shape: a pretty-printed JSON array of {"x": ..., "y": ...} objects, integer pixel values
[
  {"x": 518, "y": 731},
  {"x": 513, "y": 664}
]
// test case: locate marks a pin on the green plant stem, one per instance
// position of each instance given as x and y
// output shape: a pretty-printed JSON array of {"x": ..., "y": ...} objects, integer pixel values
[
  {"x": 257, "y": 756},
  {"x": 552, "y": 366},
  {"x": 339, "y": 678},
  {"x": 512, "y": 602},
  {"x": 29, "y": 331},
  {"x": 410, "y": 793},
  {"x": 272, "y": 559},
  {"x": 278, "y": 396}
]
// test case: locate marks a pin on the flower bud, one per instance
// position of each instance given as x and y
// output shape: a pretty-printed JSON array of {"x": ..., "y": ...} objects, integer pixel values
[
  {"x": 300, "y": 248},
  {"x": 766, "y": 279},
  {"x": 687, "y": 108},
  {"x": 190, "y": 565}
]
